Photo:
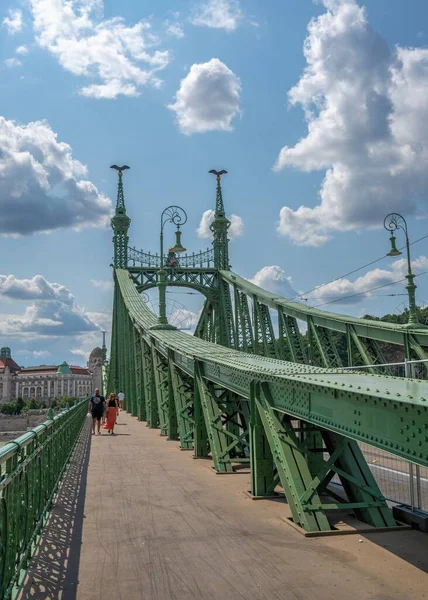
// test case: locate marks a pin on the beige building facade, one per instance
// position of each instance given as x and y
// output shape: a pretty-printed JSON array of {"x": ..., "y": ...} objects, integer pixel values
[{"x": 45, "y": 382}]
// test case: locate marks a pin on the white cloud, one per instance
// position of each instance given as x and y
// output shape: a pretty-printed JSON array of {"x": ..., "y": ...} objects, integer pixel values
[
  {"x": 36, "y": 288},
  {"x": 122, "y": 58},
  {"x": 184, "y": 319},
  {"x": 53, "y": 312},
  {"x": 22, "y": 50},
  {"x": 13, "y": 22},
  {"x": 174, "y": 30},
  {"x": 219, "y": 14},
  {"x": 274, "y": 279},
  {"x": 13, "y": 62},
  {"x": 102, "y": 319},
  {"x": 42, "y": 186},
  {"x": 340, "y": 290},
  {"x": 236, "y": 228},
  {"x": 208, "y": 98},
  {"x": 80, "y": 352},
  {"x": 105, "y": 286},
  {"x": 41, "y": 353},
  {"x": 367, "y": 119}
]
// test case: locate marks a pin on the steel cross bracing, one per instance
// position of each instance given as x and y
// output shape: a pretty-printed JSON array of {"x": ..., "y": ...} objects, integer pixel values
[
  {"x": 297, "y": 423},
  {"x": 362, "y": 335},
  {"x": 229, "y": 393}
]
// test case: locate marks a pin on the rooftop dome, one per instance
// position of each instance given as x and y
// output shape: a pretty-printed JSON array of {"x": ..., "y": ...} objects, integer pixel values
[
  {"x": 64, "y": 369},
  {"x": 96, "y": 353},
  {"x": 5, "y": 352}
]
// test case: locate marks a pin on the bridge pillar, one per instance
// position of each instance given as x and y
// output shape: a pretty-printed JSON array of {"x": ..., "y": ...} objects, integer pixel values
[
  {"x": 200, "y": 436},
  {"x": 262, "y": 465},
  {"x": 183, "y": 392},
  {"x": 152, "y": 416}
]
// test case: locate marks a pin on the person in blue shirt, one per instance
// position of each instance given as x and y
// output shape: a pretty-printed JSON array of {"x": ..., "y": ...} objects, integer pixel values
[{"x": 96, "y": 408}]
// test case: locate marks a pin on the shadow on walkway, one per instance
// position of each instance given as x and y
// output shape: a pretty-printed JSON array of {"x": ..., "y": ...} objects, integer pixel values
[{"x": 53, "y": 571}]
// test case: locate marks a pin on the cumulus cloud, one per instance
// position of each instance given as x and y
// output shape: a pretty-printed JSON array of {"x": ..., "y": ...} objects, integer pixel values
[
  {"x": 12, "y": 62},
  {"x": 219, "y": 14},
  {"x": 13, "y": 22},
  {"x": 42, "y": 186},
  {"x": 102, "y": 319},
  {"x": 105, "y": 286},
  {"x": 121, "y": 58},
  {"x": 36, "y": 288},
  {"x": 236, "y": 228},
  {"x": 53, "y": 312},
  {"x": 41, "y": 353},
  {"x": 367, "y": 118},
  {"x": 81, "y": 353},
  {"x": 344, "y": 291},
  {"x": 208, "y": 98},
  {"x": 174, "y": 29},
  {"x": 184, "y": 319},
  {"x": 22, "y": 50},
  {"x": 274, "y": 279}
]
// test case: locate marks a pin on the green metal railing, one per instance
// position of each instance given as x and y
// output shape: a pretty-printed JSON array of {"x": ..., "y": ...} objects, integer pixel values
[{"x": 31, "y": 468}]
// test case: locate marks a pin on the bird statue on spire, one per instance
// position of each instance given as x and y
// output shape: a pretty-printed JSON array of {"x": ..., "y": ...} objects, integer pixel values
[
  {"x": 120, "y": 169},
  {"x": 218, "y": 174}
]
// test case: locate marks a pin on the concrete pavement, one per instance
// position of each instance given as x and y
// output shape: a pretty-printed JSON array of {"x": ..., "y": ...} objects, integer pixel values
[{"x": 158, "y": 525}]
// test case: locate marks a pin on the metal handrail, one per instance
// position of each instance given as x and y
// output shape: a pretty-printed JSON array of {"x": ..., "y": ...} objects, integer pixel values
[
  {"x": 393, "y": 364},
  {"x": 31, "y": 467}
]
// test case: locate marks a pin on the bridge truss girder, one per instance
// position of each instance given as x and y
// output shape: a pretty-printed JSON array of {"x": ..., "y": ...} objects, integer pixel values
[{"x": 301, "y": 424}]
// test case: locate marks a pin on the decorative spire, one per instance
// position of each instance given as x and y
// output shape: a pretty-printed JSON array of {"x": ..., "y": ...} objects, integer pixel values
[
  {"x": 104, "y": 348},
  {"x": 219, "y": 227},
  {"x": 120, "y": 224}
]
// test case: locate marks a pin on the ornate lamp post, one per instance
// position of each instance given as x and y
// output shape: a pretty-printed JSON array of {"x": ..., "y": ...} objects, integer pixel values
[
  {"x": 392, "y": 222},
  {"x": 177, "y": 216}
]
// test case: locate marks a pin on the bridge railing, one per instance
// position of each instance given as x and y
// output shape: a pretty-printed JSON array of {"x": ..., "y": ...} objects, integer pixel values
[
  {"x": 31, "y": 467},
  {"x": 198, "y": 260}
]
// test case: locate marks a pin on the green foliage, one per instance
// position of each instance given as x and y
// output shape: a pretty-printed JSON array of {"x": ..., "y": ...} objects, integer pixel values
[
  {"x": 19, "y": 405},
  {"x": 65, "y": 401},
  {"x": 401, "y": 318},
  {"x": 9, "y": 408}
]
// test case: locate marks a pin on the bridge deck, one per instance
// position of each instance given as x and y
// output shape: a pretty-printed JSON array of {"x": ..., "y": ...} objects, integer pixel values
[{"x": 160, "y": 526}]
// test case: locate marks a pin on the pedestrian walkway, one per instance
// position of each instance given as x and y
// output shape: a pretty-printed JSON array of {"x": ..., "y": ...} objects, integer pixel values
[{"x": 158, "y": 525}]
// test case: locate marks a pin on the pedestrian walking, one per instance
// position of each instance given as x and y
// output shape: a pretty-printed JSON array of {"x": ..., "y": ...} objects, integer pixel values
[
  {"x": 96, "y": 407},
  {"x": 112, "y": 409},
  {"x": 121, "y": 398}
]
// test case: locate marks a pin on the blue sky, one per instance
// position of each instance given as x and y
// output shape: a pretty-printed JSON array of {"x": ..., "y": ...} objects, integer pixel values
[{"x": 175, "y": 89}]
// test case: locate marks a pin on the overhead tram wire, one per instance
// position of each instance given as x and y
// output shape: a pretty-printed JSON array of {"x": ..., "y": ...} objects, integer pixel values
[
  {"x": 367, "y": 291},
  {"x": 304, "y": 294}
]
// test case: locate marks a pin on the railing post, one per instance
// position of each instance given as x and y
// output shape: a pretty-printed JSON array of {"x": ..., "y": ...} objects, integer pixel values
[
  {"x": 408, "y": 373},
  {"x": 411, "y": 486}
]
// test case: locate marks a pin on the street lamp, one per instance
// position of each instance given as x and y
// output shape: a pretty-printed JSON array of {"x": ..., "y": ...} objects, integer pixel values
[
  {"x": 177, "y": 216},
  {"x": 392, "y": 222}
]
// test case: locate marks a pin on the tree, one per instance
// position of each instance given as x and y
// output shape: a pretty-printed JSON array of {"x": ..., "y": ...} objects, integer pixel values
[
  {"x": 19, "y": 405},
  {"x": 8, "y": 408}
]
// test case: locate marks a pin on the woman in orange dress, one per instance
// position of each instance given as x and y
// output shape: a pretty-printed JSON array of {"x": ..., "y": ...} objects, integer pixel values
[{"x": 112, "y": 410}]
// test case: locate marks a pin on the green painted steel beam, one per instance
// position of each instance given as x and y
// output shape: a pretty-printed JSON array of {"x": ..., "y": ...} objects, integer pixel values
[
  {"x": 377, "y": 330},
  {"x": 386, "y": 412}
]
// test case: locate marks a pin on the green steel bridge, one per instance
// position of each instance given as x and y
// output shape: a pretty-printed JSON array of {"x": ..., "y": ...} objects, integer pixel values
[{"x": 245, "y": 389}]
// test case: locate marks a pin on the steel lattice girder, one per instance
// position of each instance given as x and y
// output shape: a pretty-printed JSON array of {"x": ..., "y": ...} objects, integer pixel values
[
  {"x": 304, "y": 474},
  {"x": 183, "y": 391},
  {"x": 375, "y": 330},
  {"x": 387, "y": 412},
  {"x": 201, "y": 280},
  {"x": 334, "y": 408}
]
